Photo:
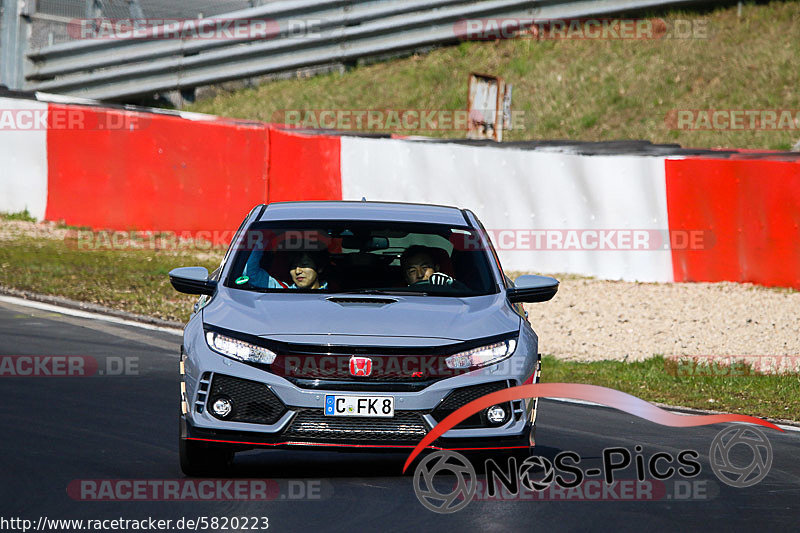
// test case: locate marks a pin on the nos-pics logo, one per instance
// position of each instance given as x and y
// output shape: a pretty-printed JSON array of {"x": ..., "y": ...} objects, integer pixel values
[{"x": 457, "y": 481}]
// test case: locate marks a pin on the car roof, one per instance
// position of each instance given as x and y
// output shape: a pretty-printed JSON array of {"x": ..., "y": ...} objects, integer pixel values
[{"x": 374, "y": 211}]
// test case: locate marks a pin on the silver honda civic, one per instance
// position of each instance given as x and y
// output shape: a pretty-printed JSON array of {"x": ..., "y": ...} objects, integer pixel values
[{"x": 354, "y": 326}]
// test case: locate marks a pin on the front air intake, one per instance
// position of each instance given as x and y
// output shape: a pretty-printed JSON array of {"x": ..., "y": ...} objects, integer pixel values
[{"x": 252, "y": 402}]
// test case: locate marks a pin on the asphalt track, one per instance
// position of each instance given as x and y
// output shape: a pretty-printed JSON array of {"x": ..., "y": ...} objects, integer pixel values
[{"x": 59, "y": 429}]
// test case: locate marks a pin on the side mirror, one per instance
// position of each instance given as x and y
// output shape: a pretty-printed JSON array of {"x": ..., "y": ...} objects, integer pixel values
[
  {"x": 192, "y": 280},
  {"x": 532, "y": 289}
]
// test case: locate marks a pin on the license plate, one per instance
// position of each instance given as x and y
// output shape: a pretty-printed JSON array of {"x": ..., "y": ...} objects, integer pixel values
[{"x": 382, "y": 406}]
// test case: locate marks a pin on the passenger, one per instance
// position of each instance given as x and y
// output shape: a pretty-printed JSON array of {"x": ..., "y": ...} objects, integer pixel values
[
  {"x": 419, "y": 266},
  {"x": 305, "y": 269}
]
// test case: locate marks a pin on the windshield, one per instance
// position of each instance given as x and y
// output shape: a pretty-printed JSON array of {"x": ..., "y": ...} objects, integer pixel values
[{"x": 362, "y": 257}]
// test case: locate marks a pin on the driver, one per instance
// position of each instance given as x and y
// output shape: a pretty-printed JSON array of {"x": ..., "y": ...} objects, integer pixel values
[
  {"x": 419, "y": 266},
  {"x": 305, "y": 269}
]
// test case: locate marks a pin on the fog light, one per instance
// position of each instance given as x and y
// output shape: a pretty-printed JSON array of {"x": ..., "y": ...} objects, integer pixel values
[
  {"x": 222, "y": 407},
  {"x": 496, "y": 414}
]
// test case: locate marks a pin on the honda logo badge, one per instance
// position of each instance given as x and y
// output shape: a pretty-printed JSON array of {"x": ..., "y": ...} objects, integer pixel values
[{"x": 360, "y": 366}]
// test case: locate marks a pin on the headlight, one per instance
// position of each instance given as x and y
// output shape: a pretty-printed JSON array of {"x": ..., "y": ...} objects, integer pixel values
[
  {"x": 485, "y": 355},
  {"x": 243, "y": 351}
]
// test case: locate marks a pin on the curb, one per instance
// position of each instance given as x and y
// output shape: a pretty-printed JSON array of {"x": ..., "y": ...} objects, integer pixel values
[
  {"x": 794, "y": 424},
  {"x": 694, "y": 411}
]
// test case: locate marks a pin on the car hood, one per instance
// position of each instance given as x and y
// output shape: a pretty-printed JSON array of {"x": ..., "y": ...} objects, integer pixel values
[{"x": 365, "y": 320}]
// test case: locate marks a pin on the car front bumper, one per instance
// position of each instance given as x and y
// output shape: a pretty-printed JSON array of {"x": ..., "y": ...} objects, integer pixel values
[{"x": 299, "y": 420}]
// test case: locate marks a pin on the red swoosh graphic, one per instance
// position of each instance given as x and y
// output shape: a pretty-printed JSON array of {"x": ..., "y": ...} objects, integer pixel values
[{"x": 575, "y": 391}]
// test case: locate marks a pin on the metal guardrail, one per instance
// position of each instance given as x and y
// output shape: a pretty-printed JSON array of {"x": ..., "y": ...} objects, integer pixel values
[{"x": 345, "y": 31}]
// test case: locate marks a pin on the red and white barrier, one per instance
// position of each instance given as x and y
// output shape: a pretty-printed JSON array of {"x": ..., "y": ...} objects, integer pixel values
[
  {"x": 515, "y": 191},
  {"x": 23, "y": 156},
  {"x": 163, "y": 173},
  {"x": 303, "y": 167},
  {"x": 608, "y": 216},
  {"x": 751, "y": 210}
]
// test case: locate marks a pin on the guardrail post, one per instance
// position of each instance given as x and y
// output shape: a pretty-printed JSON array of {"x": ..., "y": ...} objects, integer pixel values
[{"x": 15, "y": 28}]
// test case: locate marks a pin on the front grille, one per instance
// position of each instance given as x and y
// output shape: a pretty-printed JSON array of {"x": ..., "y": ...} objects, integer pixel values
[
  {"x": 361, "y": 386},
  {"x": 401, "y": 368},
  {"x": 313, "y": 424},
  {"x": 253, "y": 402},
  {"x": 461, "y": 397}
]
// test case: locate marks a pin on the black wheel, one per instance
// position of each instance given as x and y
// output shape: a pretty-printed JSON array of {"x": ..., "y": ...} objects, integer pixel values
[{"x": 204, "y": 459}]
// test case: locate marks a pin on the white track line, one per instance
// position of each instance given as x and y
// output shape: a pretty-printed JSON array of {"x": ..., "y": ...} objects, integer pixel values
[
  {"x": 86, "y": 314},
  {"x": 592, "y": 404},
  {"x": 115, "y": 320}
]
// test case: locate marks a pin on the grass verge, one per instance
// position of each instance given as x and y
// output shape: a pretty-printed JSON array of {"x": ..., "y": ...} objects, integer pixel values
[
  {"x": 773, "y": 396},
  {"x": 590, "y": 89},
  {"x": 21, "y": 215},
  {"x": 130, "y": 280}
]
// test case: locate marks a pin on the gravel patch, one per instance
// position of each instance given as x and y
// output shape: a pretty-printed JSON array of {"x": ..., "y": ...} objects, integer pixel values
[
  {"x": 590, "y": 320},
  {"x": 11, "y": 230}
]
